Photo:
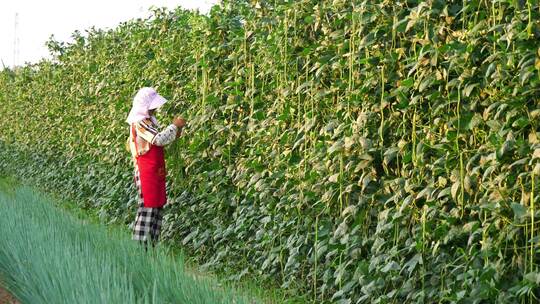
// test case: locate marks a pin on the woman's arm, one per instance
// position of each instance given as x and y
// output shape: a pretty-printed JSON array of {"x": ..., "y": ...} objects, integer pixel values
[
  {"x": 148, "y": 132},
  {"x": 166, "y": 136}
]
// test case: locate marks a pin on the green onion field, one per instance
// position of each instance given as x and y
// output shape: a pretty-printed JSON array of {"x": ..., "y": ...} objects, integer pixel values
[{"x": 48, "y": 256}]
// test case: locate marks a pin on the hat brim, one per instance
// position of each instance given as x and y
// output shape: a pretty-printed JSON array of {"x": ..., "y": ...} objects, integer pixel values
[{"x": 157, "y": 102}]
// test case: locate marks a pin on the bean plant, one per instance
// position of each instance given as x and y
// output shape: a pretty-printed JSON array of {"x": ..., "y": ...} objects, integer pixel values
[{"x": 351, "y": 151}]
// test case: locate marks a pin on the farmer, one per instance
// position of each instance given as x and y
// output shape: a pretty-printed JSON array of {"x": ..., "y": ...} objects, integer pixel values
[{"x": 146, "y": 144}]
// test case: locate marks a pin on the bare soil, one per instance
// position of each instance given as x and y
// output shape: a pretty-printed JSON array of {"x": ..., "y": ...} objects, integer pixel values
[{"x": 6, "y": 298}]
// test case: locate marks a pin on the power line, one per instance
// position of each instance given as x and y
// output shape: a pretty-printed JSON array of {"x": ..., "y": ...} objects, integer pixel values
[{"x": 16, "y": 41}]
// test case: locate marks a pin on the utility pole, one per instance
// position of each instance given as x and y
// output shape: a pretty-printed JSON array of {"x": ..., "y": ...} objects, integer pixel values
[{"x": 16, "y": 42}]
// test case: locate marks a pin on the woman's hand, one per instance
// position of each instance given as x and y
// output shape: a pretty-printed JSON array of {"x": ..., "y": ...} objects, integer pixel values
[{"x": 179, "y": 122}]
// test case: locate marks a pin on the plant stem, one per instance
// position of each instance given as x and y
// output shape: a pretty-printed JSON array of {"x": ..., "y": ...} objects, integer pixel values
[
  {"x": 529, "y": 25},
  {"x": 316, "y": 246},
  {"x": 461, "y": 167},
  {"x": 532, "y": 221},
  {"x": 381, "y": 129},
  {"x": 413, "y": 148},
  {"x": 424, "y": 211}
]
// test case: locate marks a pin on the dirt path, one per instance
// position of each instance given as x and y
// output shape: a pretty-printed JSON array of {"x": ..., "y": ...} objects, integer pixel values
[{"x": 6, "y": 298}]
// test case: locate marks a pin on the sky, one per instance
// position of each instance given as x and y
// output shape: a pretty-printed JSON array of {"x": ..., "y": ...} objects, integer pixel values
[{"x": 38, "y": 20}]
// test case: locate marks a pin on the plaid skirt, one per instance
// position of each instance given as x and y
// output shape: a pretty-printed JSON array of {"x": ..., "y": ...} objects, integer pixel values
[{"x": 147, "y": 225}]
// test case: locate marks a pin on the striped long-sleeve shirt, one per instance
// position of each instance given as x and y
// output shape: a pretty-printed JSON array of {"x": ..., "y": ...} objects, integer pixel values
[{"x": 148, "y": 134}]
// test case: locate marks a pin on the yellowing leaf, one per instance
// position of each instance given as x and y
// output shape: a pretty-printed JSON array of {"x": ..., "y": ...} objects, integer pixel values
[
  {"x": 454, "y": 190},
  {"x": 333, "y": 178}
]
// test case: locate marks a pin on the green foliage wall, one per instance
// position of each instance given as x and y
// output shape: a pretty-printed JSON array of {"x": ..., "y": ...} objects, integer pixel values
[{"x": 360, "y": 151}]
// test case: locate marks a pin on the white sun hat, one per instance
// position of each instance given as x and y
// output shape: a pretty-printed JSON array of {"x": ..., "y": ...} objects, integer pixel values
[{"x": 145, "y": 99}]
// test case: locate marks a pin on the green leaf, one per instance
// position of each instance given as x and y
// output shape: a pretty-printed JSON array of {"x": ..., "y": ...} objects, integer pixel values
[
  {"x": 407, "y": 83},
  {"x": 336, "y": 147},
  {"x": 533, "y": 277},
  {"x": 390, "y": 266},
  {"x": 468, "y": 89},
  {"x": 520, "y": 211},
  {"x": 413, "y": 262},
  {"x": 521, "y": 122},
  {"x": 428, "y": 81}
]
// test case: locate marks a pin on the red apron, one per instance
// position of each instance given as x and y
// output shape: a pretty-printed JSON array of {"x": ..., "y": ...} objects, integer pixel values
[{"x": 152, "y": 175}]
